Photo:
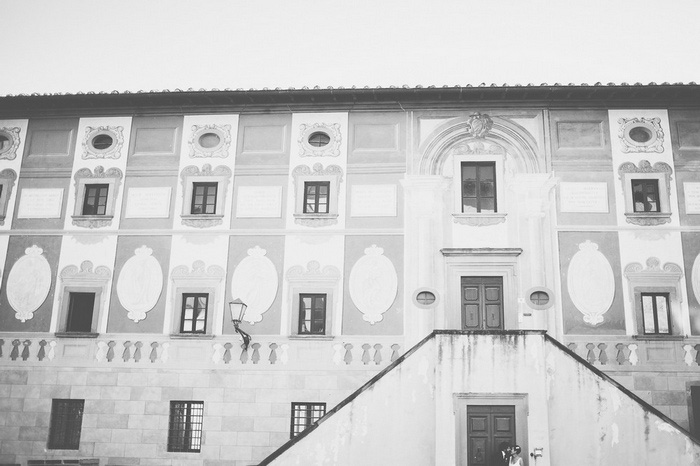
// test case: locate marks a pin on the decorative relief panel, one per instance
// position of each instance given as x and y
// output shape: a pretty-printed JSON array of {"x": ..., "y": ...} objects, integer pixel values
[
  {"x": 641, "y": 135},
  {"x": 85, "y": 275},
  {"x": 9, "y": 142},
  {"x": 140, "y": 283},
  {"x": 103, "y": 142},
  {"x": 479, "y": 125},
  {"x": 373, "y": 284},
  {"x": 210, "y": 141},
  {"x": 654, "y": 275},
  {"x": 255, "y": 282},
  {"x": 590, "y": 270},
  {"x": 28, "y": 283},
  {"x": 313, "y": 272},
  {"x": 199, "y": 270},
  {"x": 319, "y": 139}
]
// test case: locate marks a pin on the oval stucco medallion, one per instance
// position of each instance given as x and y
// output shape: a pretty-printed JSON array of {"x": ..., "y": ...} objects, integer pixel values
[
  {"x": 373, "y": 284},
  {"x": 591, "y": 283},
  {"x": 28, "y": 283},
  {"x": 255, "y": 282},
  {"x": 140, "y": 283}
]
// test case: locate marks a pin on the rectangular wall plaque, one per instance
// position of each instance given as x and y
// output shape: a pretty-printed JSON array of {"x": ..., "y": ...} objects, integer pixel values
[
  {"x": 584, "y": 197},
  {"x": 373, "y": 200},
  {"x": 259, "y": 202},
  {"x": 40, "y": 203},
  {"x": 691, "y": 192},
  {"x": 148, "y": 202}
]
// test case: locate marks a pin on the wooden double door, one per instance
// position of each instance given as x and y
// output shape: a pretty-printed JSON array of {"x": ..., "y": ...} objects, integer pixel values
[
  {"x": 489, "y": 427},
  {"x": 482, "y": 303}
]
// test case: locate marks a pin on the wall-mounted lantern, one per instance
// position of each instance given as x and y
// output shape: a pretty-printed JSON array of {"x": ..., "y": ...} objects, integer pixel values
[{"x": 238, "y": 308}]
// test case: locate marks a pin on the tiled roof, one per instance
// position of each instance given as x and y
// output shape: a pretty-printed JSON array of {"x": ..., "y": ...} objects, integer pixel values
[{"x": 321, "y": 88}]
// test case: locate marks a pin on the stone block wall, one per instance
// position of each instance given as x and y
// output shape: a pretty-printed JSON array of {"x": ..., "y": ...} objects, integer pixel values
[{"x": 125, "y": 421}]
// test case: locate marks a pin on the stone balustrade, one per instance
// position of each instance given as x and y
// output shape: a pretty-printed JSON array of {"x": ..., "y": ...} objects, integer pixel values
[
  {"x": 617, "y": 352},
  {"x": 215, "y": 352}
]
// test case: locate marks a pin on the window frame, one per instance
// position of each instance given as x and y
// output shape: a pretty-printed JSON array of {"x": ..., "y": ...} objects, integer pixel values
[
  {"x": 192, "y": 175},
  {"x": 71, "y": 311},
  {"x": 654, "y": 295},
  {"x": 316, "y": 196},
  {"x": 60, "y": 435},
  {"x": 645, "y": 183},
  {"x": 207, "y": 185},
  {"x": 182, "y": 315},
  {"x": 176, "y": 445},
  {"x": 478, "y": 197},
  {"x": 309, "y": 418},
  {"x": 83, "y": 279},
  {"x": 661, "y": 172},
  {"x": 301, "y": 320},
  {"x": 98, "y": 197},
  {"x": 303, "y": 174},
  {"x": 500, "y": 201}
]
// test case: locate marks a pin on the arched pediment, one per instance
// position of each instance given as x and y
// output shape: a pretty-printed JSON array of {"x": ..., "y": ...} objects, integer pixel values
[{"x": 480, "y": 132}]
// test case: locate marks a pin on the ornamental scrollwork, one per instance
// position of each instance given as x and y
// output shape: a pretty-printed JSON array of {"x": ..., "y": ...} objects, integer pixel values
[
  {"x": 331, "y": 149},
  {"x": 479, "y": 125},
  {"x": 649, "y": 138},
  {"x": 113, "y": 151},
  {"x": 8, "y": 150},
  {"x": 219, "y": 149}
]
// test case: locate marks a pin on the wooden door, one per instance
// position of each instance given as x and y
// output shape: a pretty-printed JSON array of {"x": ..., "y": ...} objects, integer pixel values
[
  {"x": 488, "y": 427},
  {"x": 482, "y": 303}
]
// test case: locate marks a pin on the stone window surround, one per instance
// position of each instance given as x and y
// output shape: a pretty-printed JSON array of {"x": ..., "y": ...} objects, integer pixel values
[
  {"x": 655, "y": 279},
  {"x": 303, "y": 173},
  {"x": 197, "y": 279},
  {"x": 661, "y": 172},
  {"x": 83, "y": 280},
  {"x": 316, "y": 280},
  {"x": 478, "y": 218},
  {"x": 111, "y": 177},
  {"x": 192, "y": 174}
]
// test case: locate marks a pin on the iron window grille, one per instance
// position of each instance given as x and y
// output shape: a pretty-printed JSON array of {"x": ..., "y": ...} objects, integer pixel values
[
  {"x": 305, "y": 414},
  {"x": 185, "y": 426},
  {"x": 312, "y": 314},
  {"x": 95, "y": 200},
  {"x": 656, "y": 314},
  {"x": 316, "y": 197},
  {"x": 204, "y": 198},
  {"x": 479, "y": 187},
  {"x": 66, "y": 424},
  {"x": 194, "y": 313},
  {"x": 645, "y": 195}
]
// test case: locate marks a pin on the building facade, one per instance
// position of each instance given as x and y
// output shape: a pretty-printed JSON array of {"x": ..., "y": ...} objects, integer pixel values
[{"x": 352, "y": 223}]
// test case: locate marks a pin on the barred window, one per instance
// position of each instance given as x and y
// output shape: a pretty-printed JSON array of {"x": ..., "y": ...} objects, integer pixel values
[
  {"x": 305, "y": 414},
  {"x": 66, "y": 424},
  {"x": 185, "y": 427}
]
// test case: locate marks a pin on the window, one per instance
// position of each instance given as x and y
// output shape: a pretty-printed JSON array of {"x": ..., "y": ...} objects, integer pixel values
[
  {"x": 185, "y": 426},
  {"x": 316, "y": 197},
  {"x": 478, "y": 187},
  {"x": 645, "y": 195},
  {"x": 317, "y": 194},
  {"x": 647, "y": 191},
  {"x": 194, "y": 313},
  {"x": 95, "y": 201},
  {"x": 80, "y": 309},
  {"x": 656, "y": 313},
  {"x": 96, "y": 196},
  {"x": 319, "y": 139},
  {"x": 204, "y": 198},
  {"x": 305, "y": 414},
  {"x": 66, "y": 423},
  {"x": 312, "y": 314}
]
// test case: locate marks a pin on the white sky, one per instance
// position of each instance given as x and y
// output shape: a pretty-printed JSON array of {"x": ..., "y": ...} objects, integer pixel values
[{"x": 94, "y": 45}]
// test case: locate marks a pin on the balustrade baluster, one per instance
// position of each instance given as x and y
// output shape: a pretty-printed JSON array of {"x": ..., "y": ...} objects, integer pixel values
[
  {"x": 154, "y": 352},
  {"x": 273, "y": 353},
  {"x": 137, "y": 353},
  {"x": 2, "y": 342},
  {"x": 42, "y": 351},
  {"x": 244, "y": 355},
  {"x": 603, "y": 355},
  {"x": 620, "y": 356},
  {"x": 697, "y": 355},
  {"x": 14, "y": 354},
  {"x": 590, "y": 355},
  {"x": 348, "y": 353},
  {"x": 110, "y": 351},
  {"x": 256, "y": 353},
  {"x": 227, "y": 352},
  {"x": 365, "y": 354},
  {"x": 377, "y": 354},
  {"x": 395, "y": 352},
  {"x": 25, "y": 350},
  {"x": 126, "y": 355}
]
